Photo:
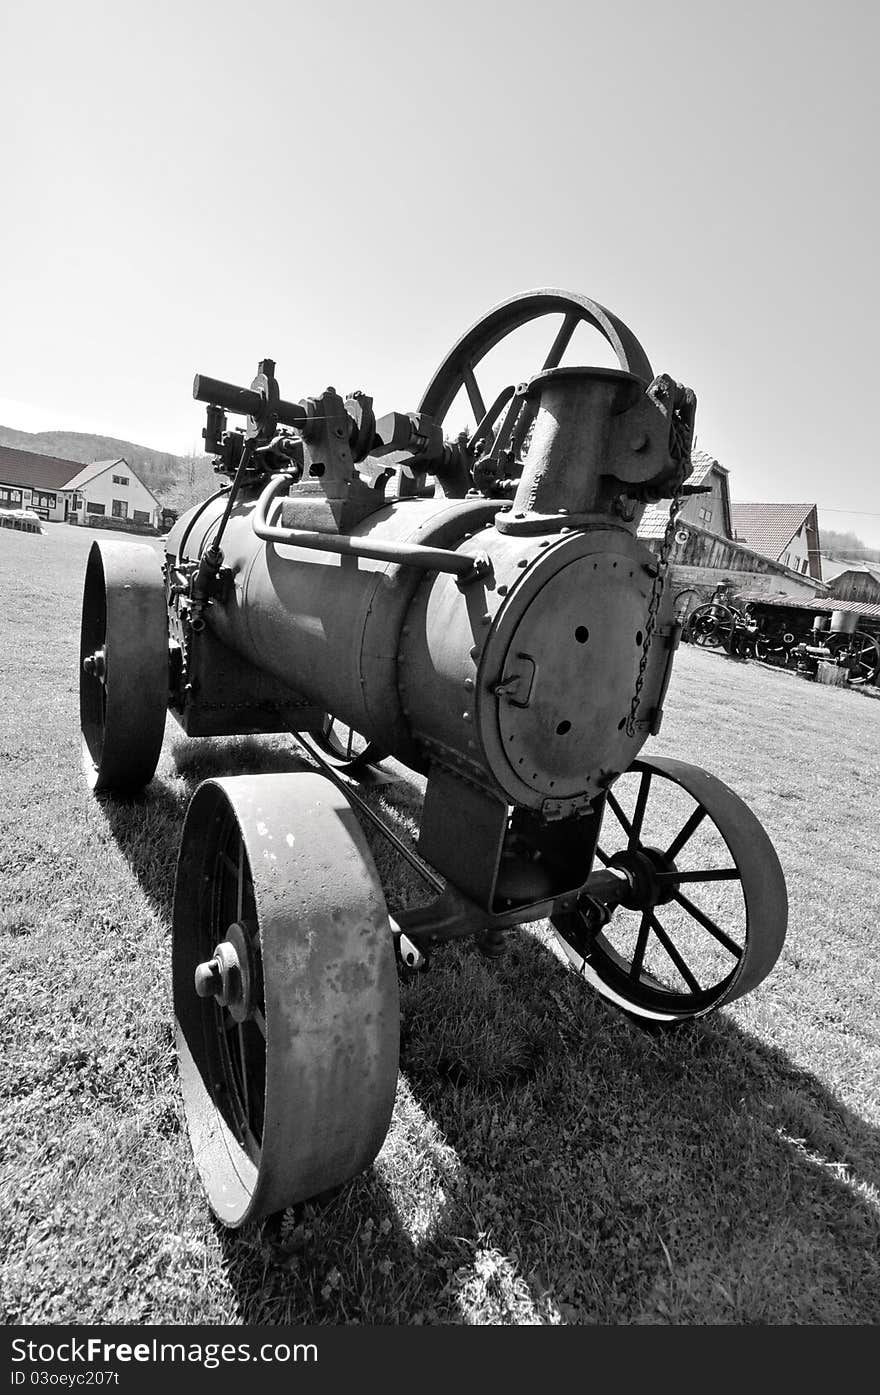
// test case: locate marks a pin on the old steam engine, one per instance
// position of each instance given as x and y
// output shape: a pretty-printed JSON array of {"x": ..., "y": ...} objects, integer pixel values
[{"x": 479, "y": 609}]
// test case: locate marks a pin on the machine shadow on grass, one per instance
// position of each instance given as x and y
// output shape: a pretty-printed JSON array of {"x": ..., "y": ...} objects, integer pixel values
[{"x": 550, "y": 1160}]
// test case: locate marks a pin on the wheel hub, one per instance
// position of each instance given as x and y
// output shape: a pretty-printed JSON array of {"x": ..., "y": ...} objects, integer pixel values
[
  {"x": 95, "y": 665},
  {"x": 641, "y": 866},
  {"x": 230, "y": 975}
]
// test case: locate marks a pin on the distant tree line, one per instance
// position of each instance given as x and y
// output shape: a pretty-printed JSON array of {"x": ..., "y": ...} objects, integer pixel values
[{"x": 843, "y": 545}]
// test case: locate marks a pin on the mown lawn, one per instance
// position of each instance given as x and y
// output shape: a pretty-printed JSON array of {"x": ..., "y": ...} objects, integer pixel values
[{"x": 548, "y": 1161}]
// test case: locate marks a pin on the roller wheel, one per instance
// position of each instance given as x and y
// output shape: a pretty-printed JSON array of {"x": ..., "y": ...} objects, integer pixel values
[
  {"x": 285, "y": 992},
  {"x": 707, "y": 915},
  {"x": 123, "y": 666}
]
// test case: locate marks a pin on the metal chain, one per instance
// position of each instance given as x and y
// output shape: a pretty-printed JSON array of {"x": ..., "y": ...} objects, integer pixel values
[{"x": 657, "y": 587}]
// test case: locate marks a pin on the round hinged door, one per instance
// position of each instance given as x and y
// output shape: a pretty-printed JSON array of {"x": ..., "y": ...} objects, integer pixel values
[{"x": 569, "y": 677}]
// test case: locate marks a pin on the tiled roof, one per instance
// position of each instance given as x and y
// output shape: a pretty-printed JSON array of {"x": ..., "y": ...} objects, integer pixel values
[
  {"x": 653, "y": 524},
  {"x": 97, "y": 467},
  {"x": 32, "y": 471},
  {"x": 703, "y": 463},
  {"x": 768, "y": 528}
]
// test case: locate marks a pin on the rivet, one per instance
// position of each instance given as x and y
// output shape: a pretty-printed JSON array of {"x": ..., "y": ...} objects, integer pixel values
[
  {"x": 523, "y": 562},
  {"x": 405, "y": 631},
  {"x": 519, "y": 515},
  {"x": 466, "y": 717},
  {"x": 562, "y": 510},
  {"x": 468, "y": 682},
  {"x": 546, "y": 542},
  {"x": 565, "y": 530},
  {"x": 502, "y": 590},
  {"x": 486, "y": 620},
  {"x": 475, "y": 651}
]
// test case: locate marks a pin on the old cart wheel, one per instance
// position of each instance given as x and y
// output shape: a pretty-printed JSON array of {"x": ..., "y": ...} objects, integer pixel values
[
  {"x": 707, "y": 915},
  {"x": 341, "y": 746},
  {"x": 711, "y": 626},
  {"x": 123, "y": 662},
  {"x": 285, "y": 992},
  {"x": 859, "y": 653}
]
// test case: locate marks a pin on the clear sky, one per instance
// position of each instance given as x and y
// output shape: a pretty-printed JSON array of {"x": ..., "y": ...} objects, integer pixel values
[{"x": 346, "y": 186}]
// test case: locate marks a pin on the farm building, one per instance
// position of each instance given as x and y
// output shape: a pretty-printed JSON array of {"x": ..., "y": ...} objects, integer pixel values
[
  {"x": 853, "y": 581},
  {"x": 788, "y": 533},
  {"x": 28, "y": 480},
  {"x": 68, "y": 491},
  {"x": 708, "y": 548}
]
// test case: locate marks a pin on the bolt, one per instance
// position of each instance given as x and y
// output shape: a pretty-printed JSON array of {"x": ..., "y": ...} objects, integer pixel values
[{"x": 208, "y": 980}]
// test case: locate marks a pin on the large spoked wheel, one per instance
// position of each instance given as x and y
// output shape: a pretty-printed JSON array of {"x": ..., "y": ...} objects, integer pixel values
[
  {"x": 859, "y": 653},
  {"x": 711, "y": 627},
  {"x": 123, "y": 666},
  {"x": 285, "y": 992},
  {"x": 707, "y": 914},
  {"x": 341, "y": 746},
  {"x": 459, "y": 370}
]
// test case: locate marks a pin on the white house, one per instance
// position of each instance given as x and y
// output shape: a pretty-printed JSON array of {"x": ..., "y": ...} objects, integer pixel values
[
  {"x": 67, "y": 491},
  {"x": 110, "y": 489}
]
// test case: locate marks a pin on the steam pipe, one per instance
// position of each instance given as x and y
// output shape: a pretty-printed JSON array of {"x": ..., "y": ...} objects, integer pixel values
[{"x": 429, "y": 559}]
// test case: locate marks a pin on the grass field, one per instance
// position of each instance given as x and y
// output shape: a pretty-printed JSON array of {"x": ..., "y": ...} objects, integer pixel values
[{"x": 548, "y": 1161}]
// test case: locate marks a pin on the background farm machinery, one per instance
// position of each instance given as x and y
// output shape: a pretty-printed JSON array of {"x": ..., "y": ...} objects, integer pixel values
[
  {"x": 796, "y": 635},
  {"x": 478, "y": 608}
]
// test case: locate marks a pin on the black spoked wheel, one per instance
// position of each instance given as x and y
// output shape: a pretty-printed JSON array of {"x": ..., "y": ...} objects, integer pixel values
[
  {"x": 123, "y": 667},
  {"x": 285, "y": 992},
  {"x": 706, "y": 917},
  {"x": 711, "y": 627},
  {"x": 859, "y": 653}
]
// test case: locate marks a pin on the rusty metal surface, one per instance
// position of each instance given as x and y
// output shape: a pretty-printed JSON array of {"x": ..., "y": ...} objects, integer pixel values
[
  {"x": 123, "y": 661},
  {"x": 302, "y": 1100}
]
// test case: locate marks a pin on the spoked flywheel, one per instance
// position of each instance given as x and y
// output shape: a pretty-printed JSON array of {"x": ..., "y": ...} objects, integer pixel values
[
  {"x": 705, "y": 917},
  {"x": 285, "y": 992},
  {"x": 507, "y": 417},
  {"x": 123, "y": 666}
]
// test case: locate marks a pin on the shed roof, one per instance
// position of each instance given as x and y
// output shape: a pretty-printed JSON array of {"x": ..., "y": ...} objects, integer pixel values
[
  {"x": 27, "y": 469},
  {"x": 769, "y": 528}
]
